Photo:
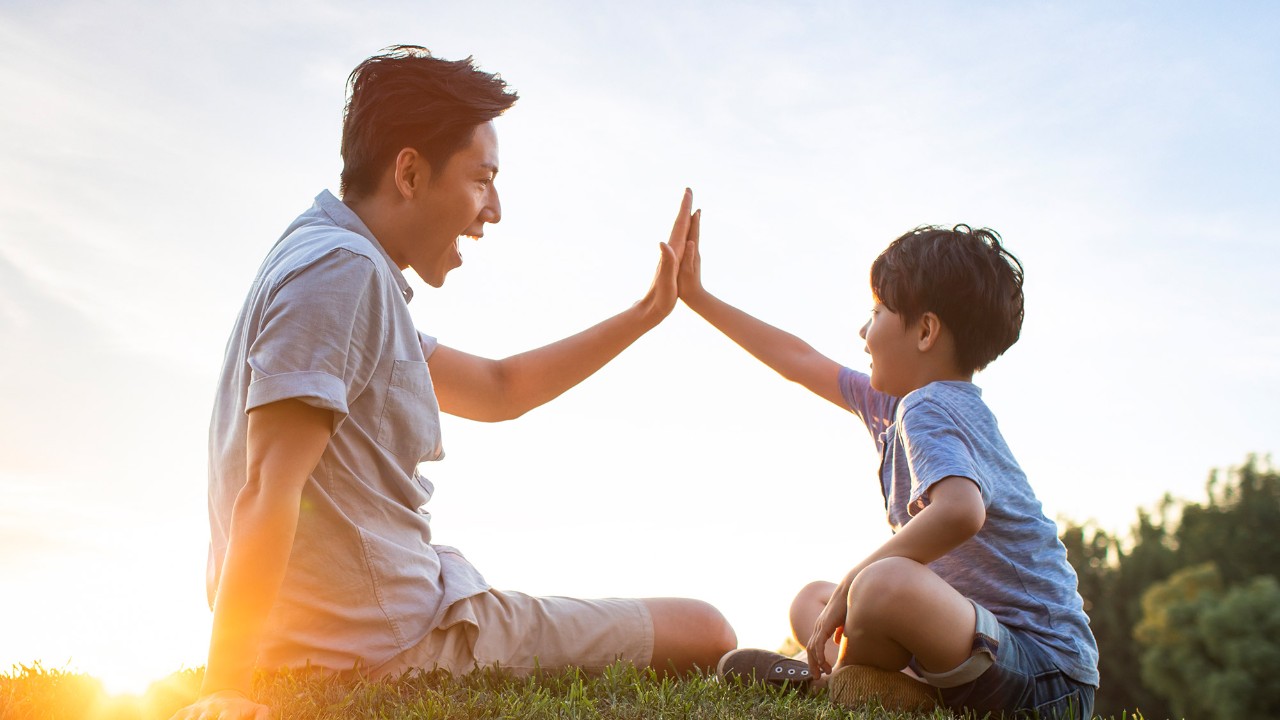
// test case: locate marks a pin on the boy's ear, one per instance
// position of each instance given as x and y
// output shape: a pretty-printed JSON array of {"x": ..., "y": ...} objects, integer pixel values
[{"x": 928, "y": 331}]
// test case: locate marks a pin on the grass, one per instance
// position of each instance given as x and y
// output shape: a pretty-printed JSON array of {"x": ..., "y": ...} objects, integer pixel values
[{"x": 621, "y": 693}]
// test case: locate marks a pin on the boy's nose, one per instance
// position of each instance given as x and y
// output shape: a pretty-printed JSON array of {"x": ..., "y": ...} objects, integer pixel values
[{"x": 863, "y": 332}]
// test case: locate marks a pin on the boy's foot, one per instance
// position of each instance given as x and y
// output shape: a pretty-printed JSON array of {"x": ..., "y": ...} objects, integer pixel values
[
  {"x": 753, "y": 665},
  {"x": 854, "y": 686}
]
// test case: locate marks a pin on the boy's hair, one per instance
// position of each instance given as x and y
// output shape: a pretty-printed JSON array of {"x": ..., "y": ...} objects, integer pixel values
[
  {"x": 964, "y": 276},
  {"x": 405, "y": 97}
]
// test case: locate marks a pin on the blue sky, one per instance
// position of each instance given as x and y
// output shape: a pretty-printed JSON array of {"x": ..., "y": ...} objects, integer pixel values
[{"x": 153, "y": 151}]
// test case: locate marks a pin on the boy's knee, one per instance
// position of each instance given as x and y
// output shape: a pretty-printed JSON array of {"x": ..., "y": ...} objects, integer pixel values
[
  {"x": 883, "y": 584},
  {"x": 817, "y": 592}
]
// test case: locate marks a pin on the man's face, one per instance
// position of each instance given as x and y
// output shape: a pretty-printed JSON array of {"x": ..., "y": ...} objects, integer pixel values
[
  {"x": 460, "y": 198},
  {"x": 892, "y": 350}
]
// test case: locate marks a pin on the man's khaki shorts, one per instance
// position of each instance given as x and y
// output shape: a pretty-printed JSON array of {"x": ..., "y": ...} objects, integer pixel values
[{"x": 520, "y": 633}]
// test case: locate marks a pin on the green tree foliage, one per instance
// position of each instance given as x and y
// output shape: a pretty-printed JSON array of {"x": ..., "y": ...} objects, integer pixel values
[
  {"x": 1237, "y": 529},
  {"x": 1214, "y": 652},
  {"x": 1112, "y": 581}
]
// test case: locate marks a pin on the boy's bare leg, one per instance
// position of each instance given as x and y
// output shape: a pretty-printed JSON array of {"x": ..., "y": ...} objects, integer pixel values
[
  {"x": 688, "y": 634},
  {"x": 805, "y": 609},
  {"x": 899, "y": 608}
]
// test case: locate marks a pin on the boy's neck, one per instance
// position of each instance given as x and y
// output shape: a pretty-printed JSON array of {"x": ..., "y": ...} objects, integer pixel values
[{"x": 930, "y": 375}]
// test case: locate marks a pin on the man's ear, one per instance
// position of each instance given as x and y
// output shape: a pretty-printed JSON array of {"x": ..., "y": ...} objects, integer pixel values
[
  {"x": 412, "y": 173},
  {"x": 928, "y": 331}
]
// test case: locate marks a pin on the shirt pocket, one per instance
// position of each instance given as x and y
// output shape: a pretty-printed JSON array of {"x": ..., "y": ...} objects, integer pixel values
[{"x": 410, "y": 423}]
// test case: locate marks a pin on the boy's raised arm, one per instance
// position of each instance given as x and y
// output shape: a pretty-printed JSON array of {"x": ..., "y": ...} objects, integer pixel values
[{"x": 790, "y": 356}]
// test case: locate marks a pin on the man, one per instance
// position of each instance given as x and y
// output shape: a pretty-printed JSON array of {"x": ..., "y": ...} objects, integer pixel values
[{"x": 330, "y": 398}]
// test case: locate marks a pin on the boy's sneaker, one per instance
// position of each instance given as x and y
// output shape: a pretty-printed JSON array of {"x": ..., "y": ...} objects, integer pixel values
[
  {"x": 753, "y": 665},
  {"x": 855, "y": 686}
]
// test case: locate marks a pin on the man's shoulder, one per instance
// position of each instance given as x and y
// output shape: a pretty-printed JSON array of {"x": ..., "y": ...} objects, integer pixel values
[{"x": 314, "y": 245}]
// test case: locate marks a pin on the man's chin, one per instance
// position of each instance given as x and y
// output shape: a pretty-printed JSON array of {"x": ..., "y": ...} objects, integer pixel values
[{"x": 436, "y": 276}]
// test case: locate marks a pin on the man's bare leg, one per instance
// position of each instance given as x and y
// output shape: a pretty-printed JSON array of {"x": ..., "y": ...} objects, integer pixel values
[{"x": 688, "y": 634}]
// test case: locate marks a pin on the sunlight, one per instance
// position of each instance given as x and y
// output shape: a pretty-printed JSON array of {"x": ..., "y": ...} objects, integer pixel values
[{"x": 125, "y": 680}]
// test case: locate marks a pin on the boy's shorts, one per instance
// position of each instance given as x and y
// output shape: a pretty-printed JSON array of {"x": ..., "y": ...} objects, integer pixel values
[
  {"x": 521, "y": 633},
  {"x": 1008, "y": 672}
]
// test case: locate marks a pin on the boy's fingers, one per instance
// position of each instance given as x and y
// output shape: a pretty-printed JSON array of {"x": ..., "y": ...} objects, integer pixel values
[{"x": 680, "y": 229}]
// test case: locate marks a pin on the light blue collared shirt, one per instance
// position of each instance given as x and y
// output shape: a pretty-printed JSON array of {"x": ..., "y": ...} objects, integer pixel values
[{"x": 327, "y": 322}]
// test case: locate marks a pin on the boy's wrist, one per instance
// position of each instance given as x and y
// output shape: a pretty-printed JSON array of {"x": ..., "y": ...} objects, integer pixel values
[{"x": 695, "y": 298}]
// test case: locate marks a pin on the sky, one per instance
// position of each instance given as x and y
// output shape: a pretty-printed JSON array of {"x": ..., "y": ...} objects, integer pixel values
[{"x": 151, "y": 153}]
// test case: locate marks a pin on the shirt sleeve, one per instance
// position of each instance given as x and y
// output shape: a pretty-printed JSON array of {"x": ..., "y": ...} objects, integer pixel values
[
  {"x": 428, "y": 344},
  {"x": 936, "y": 449},
  {"x": 875, "y": 408},
  {"x": 317, "y": 340}
]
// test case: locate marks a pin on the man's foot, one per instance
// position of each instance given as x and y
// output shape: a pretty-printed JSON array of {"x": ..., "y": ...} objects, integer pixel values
[
  {"x": 753, "y": 665},
  {"x": 855, "y": 686}
]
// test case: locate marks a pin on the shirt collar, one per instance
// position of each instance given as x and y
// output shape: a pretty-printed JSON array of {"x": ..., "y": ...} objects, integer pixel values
[{"x": 344, "y": 217}]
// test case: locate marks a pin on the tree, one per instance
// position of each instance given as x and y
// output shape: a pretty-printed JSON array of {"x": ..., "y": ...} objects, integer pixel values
[
  {"x": 1237, "y": 529},
  {"x": 1213, "y": 651}
]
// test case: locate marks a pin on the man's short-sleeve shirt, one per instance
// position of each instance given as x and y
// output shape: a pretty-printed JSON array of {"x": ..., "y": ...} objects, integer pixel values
[
  {"x": 1015, "y": 566},
  {"x": 327, "y": 322}
]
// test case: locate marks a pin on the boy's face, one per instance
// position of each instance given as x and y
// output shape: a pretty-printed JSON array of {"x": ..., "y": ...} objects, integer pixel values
[
  {"x": 460, "y": 199},
  {"x": 893, "y": 351}
]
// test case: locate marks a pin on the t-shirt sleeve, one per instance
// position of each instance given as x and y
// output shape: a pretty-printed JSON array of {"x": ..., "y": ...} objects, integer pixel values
[
  {"x": 936, "y": 449},
  {"x": 872, "y": 406},
  {"x": 318, "y": 337}
]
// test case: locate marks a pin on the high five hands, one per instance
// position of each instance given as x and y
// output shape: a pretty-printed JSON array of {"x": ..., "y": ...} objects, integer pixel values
[{"x": 679, "y": 267}]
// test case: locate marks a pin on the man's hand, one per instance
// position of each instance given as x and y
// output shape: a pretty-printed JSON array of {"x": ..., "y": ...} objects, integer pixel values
[
  {"x": 223, "y": 705},
  {"x": 830, "y": 620},
  {"x": 661, "y": 298}
]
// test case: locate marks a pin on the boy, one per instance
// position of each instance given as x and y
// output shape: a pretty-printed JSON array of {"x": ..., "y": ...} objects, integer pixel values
[{"x": 973, "y": 593}]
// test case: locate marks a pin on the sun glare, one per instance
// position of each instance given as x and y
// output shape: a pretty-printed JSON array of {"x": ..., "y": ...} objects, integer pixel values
[{"x": 125, "y": 678}]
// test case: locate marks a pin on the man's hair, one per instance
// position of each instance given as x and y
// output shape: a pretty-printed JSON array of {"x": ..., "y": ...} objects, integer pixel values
[
  {"x": 405, "y": 97},
  {"x": 965, "y": 277}
]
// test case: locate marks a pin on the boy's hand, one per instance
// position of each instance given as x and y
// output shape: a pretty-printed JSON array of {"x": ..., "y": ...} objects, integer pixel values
[
  {"x": 830, "y": 620},
  {"x": 661, "y": 298},
  {"x": 690, "y": 278}
]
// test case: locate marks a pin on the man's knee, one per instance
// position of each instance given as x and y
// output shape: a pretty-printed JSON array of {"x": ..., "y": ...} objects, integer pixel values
[
  {"x": 697, "y": 625},
  {"x": 718, "y": 634}
]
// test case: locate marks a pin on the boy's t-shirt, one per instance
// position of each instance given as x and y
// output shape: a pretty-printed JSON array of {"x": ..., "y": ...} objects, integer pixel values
[{"x": 1015, "y": 566}]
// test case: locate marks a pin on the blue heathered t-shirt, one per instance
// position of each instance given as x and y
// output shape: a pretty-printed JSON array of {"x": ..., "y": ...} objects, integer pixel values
[{"x": 1015, "y": 566}]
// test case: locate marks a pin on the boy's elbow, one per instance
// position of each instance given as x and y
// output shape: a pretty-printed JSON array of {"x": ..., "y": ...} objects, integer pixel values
[
  {"x": 962, "y": 500},
  {"x": 971, "y": 515}
]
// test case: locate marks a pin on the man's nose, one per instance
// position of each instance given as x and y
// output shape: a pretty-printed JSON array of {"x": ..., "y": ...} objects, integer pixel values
[{"x": 492, "y": 212}]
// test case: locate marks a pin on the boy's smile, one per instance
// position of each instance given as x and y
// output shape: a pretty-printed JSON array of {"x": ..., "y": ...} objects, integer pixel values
[{"x": 892, "y": 349}]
